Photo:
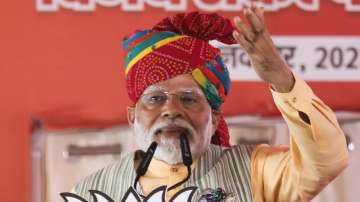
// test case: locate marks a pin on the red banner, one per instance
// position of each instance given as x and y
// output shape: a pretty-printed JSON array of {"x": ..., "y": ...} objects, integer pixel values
[
  {"x": 67, "y": 53},
  {"x": 61, "y": 63}
]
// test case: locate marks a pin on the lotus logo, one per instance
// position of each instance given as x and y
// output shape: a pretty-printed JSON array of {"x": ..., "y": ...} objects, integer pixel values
[{"x": 157, "y": 195}]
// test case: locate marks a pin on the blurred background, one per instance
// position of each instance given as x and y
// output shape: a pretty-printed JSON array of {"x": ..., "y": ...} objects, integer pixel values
[{"x": 63, "y": 98}]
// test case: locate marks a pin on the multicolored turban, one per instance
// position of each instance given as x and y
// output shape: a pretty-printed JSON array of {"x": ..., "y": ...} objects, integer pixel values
[{"x": 180, "y": 45}]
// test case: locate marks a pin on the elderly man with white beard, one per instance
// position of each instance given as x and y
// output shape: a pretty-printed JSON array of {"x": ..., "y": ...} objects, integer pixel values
[
  {"x": 164, "y": 123},
  {"x": 178, "y": 83}
]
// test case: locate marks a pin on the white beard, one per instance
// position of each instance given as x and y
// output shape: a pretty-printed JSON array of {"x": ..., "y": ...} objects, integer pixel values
[{"x": 168, "y": 149}]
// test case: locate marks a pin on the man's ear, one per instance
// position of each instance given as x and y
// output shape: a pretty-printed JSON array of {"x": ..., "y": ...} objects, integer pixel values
[
  {"x": 131, "y": 115},
  {"x": 216, "y": 115}
]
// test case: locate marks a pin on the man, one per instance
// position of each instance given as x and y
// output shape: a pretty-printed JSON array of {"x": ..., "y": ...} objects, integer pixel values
[{"x": 178, "y": 83}]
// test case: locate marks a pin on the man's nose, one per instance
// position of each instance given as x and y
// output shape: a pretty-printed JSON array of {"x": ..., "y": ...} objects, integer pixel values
[{"x": 172, "y": 108}]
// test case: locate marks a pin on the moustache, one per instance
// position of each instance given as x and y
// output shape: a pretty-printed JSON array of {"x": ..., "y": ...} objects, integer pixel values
[{"x": 177, "y": 125}]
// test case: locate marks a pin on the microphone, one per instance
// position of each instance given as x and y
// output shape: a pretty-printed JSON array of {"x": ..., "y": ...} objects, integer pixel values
[
  {"x": 186, "y": 155},
  {"x": 145, "y": 162},
  {"x": 185, "y": 148}
]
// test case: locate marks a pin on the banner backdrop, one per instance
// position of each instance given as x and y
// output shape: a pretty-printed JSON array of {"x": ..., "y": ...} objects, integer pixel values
[
  {"x": 68, "y": 55},
  {"x": 75, "y": 52},
  {"x": 62, "y": 64}
]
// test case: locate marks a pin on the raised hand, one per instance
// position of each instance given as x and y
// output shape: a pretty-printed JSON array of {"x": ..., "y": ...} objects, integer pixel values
[{"x": 257, "y": 43}]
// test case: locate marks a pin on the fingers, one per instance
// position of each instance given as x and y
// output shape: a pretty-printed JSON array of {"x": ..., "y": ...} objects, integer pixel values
[
  {"x": 259, "y": 12},
  {"x": 245, "y": 44},
  {"x": 249, "y": 35},
  {"x": 255, "y": 18}
]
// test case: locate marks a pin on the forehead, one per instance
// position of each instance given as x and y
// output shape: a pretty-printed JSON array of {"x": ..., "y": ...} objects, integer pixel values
[{"x": 178, "y": 83}]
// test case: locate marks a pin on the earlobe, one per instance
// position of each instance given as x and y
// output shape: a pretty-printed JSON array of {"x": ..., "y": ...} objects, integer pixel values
[
  {"x": 131, "y": 115},
  {"x": 216, "y": 115}
]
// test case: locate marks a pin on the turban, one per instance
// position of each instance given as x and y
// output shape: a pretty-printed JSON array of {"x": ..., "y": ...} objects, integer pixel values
[{"x": 180, "y": 45}]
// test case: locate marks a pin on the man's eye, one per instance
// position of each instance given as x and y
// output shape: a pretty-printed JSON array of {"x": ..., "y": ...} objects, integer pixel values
[
  {"x": 155, "y": 98},
  {"x": 188, "y": 99}
]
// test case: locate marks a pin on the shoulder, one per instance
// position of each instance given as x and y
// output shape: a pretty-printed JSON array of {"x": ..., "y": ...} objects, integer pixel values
[
  {"x": 244, "y": 149},
  {"x": 239, "y": 153},
  {"x": 106, "y": 178}
]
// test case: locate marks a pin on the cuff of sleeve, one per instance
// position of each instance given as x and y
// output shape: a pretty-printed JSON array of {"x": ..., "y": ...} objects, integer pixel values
[{"x": 300, "y": 93}]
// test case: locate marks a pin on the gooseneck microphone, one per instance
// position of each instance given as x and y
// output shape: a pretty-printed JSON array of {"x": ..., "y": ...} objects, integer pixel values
[
  {"x": 185, "y": 148},
  {"x": 145, "y": 162},
  {"x": 186, "y": 156}
]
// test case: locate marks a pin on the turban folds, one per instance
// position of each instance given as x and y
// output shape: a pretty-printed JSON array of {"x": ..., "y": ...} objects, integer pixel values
[{"x": 179, "y": 45}]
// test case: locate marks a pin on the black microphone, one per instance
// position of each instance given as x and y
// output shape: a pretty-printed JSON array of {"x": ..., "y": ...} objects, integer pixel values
[
  {"x": 145, "y": 162},
  {"x": 186, "y": 155},
  {"x": 185, "y": 148}
]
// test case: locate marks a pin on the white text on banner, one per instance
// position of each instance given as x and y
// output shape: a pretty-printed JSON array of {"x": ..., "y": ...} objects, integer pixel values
[{"x": 316, "y": 58}]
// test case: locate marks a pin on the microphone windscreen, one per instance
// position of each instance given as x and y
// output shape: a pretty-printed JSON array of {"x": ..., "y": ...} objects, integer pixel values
[
  {"x": 144, "y": 164},
  {"x": 185, "y": 148}
]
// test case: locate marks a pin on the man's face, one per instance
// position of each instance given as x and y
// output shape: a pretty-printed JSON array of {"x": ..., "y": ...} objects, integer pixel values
[{"x": 168, "y": 108}]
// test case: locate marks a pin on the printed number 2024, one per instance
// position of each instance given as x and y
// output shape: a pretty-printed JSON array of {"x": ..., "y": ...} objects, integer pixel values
[{"x": 338, "y": 57}]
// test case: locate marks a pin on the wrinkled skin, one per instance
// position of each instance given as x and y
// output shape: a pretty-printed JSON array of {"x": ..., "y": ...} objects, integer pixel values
[{"x": 164, "y": 124}]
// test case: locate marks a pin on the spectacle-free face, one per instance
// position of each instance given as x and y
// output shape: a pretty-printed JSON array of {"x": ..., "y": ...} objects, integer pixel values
[{"x": 166, "y": 109}]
